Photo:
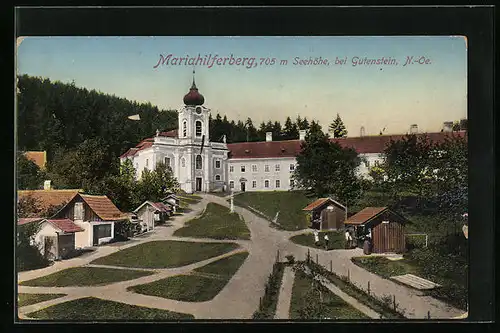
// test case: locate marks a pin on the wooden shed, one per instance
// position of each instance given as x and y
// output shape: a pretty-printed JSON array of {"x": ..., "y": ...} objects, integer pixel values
[
  {"x": 384, "y": 226},
  {"x": 326, "y": 214}
]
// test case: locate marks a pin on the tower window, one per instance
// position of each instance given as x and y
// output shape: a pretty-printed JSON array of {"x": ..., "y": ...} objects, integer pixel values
[
  {"x": 183, "y": 162},
  {"x": 217, "y": 164},
  {"x": 167, "y": 161},
  {"x": 231, "y": 168},
  {"x": 184, "y": 129},
  {"x": 199, "y": 162},
  {"x": 217, "y": 177},
  {"x": 198, "y": 126}
]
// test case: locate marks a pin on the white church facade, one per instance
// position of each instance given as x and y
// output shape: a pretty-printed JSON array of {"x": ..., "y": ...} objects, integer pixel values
[
  {"x": 198, "y": 164},
  {"x": 203, "y": 166}
]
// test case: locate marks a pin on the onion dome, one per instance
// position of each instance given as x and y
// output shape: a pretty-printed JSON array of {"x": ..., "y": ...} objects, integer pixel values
[{"x": 193, "y": 97}]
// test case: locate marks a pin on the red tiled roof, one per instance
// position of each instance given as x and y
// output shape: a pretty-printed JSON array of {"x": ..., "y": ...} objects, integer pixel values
[
  {"x": 291, "y": 148},
  {"x": 264, "y": 149},
  {"x": 26, "y": 220},
  {"x": 103, "y": 207},
  {"x": 161, "y": 207},
  {"x": 65, "y": 225},
  {"x": 170, "y": 134},
  {"x": 48, "y": 198},
  {"x": 315, "y": 204},
  {"x": 365, "y": 215},
  {"x": 38, "y": 157},
  {"x": 318, "y": 203},
  {"x": 377, "y": 143}
]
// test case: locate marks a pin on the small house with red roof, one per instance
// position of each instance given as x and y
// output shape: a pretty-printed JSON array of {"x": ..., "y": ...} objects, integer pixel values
[
  {"x": 55, "y": 238},
  {"x": 326, "y": 214},
  {"x": 151, "y": 213},
  {"x": 382, "y": 226}
]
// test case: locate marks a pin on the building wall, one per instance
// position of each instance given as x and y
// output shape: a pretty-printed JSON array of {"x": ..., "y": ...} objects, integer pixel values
[
  {"x": 371, "y": 159},
  {"x": 147, "y": 215},
  {"x": 261, "y": 175},
  {"x": 83, "y": 238}
]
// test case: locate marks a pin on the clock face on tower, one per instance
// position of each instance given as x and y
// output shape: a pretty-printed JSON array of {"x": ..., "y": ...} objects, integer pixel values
[{"x": 198, "y": 109}]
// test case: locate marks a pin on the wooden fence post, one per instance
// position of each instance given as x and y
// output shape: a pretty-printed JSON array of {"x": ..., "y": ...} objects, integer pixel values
[
  {"x": 260, "y": 303},
  {"x": 348, "y": 275},
  {"x": 368, "y": 287},
  {"x": 316, "y": 258},
  {"x": 394, "y": 301},
  {"x": 308, "y": 255},
  {"x": 278, "y": 256},
  {"x": 428, "y": 315},
  {"x": 331, "y": 270}
]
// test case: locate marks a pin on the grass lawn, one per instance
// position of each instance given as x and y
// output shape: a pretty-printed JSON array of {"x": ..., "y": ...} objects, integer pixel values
[
  {"x": 452, "y": 279},
  {"x": 165, "y": 254},
  {"x": 305, "y": 303},
  {"x": 92, "y": 309},
  {"x": 28, "y": 299},
  {"x": 336, "y": 240},
  {"x": 385, "y": 267},
  {"x": 216, "y": 222},
  {"x": 289, "y": 204},
  {"x": 202, "y": 285},
  {"x": 84, "y": 276}
]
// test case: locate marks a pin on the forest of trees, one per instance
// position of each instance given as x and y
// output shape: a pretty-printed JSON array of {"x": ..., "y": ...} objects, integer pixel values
[{"x": 85, "y": 131}]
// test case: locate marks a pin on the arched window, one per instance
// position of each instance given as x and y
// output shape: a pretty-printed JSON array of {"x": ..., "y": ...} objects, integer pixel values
[
  {"x": 183, "y": 162},
  {"x": 199, "y": 162},
  {"x": 198, "y": 126},
  {"x": 184, "y": 129},
  {"x": 217, "y": 177}
]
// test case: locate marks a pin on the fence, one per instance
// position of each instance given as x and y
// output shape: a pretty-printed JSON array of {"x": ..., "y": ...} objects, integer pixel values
[
  {"x": 425, "y": 244},
  {"x": 387, "y": 303}
]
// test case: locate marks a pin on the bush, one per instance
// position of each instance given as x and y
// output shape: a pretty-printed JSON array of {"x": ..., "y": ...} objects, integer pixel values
[
  {"x": 290, "y": 258},
  {"x": 415, "y": 242},
  {"x": 28, "y": 257},
  {"x": 268, "y": 304}
]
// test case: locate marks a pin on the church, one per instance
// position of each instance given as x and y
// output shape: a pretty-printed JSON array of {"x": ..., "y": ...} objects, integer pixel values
[
  {"x": 198, "y": 164},
  {"x": 203, "y": 166}
]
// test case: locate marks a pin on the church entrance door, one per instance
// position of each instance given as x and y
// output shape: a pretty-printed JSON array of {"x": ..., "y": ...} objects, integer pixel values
[{"x": 198, "y": 184}]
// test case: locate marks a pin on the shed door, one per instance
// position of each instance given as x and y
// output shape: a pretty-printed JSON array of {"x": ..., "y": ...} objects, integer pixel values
[{"x": 391, "y": 237}]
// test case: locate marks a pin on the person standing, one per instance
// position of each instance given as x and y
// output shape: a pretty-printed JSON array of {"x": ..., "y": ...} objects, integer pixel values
[
  {"x": 347, "y": 239},
  {"x": 327, "y": 240}
]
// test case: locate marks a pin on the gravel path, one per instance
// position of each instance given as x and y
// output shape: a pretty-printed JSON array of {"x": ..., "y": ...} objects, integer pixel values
[{"x": 240, "y": 297}]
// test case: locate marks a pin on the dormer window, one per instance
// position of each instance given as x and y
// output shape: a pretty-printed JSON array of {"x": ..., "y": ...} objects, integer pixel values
[
  {"x": 198, "y": 126},
  {"x": 247, "y": 151}
]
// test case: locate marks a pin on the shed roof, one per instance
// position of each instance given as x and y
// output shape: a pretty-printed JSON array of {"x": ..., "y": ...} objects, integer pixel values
[
  {"x": 47, "y": 198},
  {"x": 320, "y": 202},
  {"x": 365, "y": 215},
  {"x": 65, "y": 225},
  {"x": 38, "y": 157},
  {"x": 103, "y": 207}
]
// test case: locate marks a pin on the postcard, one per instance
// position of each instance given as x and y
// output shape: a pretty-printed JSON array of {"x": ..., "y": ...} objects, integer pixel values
[{"x": 242, "y": 178}]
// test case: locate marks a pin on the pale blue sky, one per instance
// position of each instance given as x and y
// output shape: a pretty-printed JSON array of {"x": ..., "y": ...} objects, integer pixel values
[{"x": 374, "y": 96}]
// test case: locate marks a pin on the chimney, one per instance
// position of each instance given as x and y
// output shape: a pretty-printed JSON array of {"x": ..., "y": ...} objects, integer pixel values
[
  {"x": 269, "y": 136},
  {"x": 414, "y": 129},
  {"x": 302, "y": 135},
  {"x": 47, "y": 185},
  {"x": 362, "y": 131},
  {"x": 447, "y": 126}
]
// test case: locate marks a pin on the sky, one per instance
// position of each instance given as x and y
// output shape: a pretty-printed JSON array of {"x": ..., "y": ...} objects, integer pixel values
[{"x": 428, "y": 91}]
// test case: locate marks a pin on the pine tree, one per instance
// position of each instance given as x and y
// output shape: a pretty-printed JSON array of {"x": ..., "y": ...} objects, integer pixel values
[{"x": 337, "y": 128}]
